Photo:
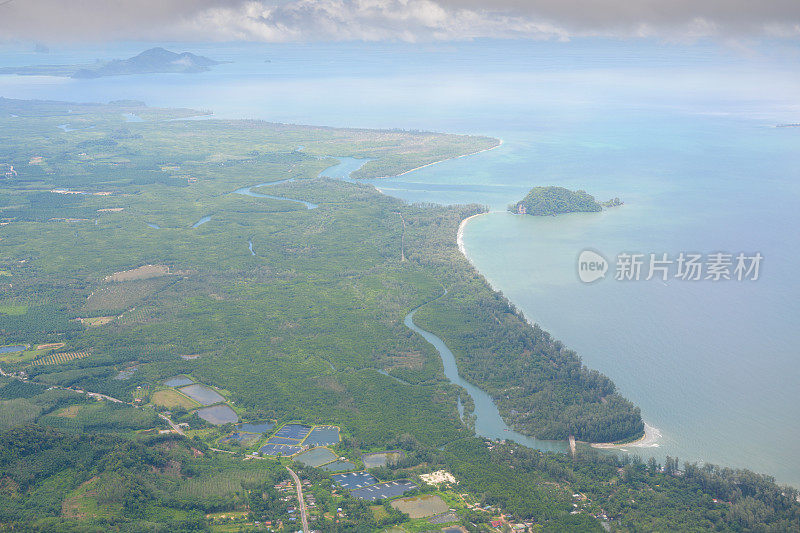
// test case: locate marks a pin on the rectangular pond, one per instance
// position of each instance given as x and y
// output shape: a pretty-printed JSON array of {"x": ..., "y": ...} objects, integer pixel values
[
  {"x": 218, "y": 415},
  {"x": 339, "y": 466},
  {"x": 323, "y": 436},
  {"x": 390, "y": 489},
  {"x": 203, "y": 394},
  {"x": 178, "y": 381},
  {"x": 316, "y": 457},
  {"x": 245, "y": 439},
  {"x": 256, "y": 427},
  {"x": 279, "y": 449},
  {"x": 379, "y": 459},
  {"x": 293, "y": 431},
  {"x": 354, "y": 480},
  {"x": 281, "y": 440},
  {"x": 10, "y": 349}
]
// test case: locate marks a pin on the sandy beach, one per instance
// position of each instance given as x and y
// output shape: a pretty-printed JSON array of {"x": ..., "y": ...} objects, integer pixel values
[
  {"x": 460, "y": 234},
  {"x": 648, "y": 440},
  {"x": 498, "y": 145}
]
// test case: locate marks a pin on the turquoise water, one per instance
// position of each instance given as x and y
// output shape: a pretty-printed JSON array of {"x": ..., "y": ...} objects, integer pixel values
[{"x": 683, "y": 134}]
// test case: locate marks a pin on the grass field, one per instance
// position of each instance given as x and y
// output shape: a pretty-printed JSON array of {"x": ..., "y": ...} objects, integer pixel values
[{"x": 170, "y": 399}]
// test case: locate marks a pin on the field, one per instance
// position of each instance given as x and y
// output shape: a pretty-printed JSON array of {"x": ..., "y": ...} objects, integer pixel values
[
  {"x": 421, "y": 506},
  {"x": 142, "y": 272},
  {"x": 60, "y": 358},
  {"x": 171, "y": 399}
]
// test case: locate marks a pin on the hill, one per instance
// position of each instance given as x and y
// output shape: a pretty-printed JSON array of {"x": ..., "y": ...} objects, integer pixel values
[{"x": 551, "y": 201}]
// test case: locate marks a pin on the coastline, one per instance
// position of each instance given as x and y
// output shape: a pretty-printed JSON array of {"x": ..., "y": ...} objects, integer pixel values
[
  {"x": 498, "y": 145},
  {"x": 651, "y": 434},
  {"x": 648, "y": 440},
  {"x": 460, "y": 237}
]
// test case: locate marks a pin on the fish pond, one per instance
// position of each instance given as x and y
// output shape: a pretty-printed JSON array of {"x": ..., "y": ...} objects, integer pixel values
[
  {"x": 279, "y": 449},
  {"x": 381, "y": 491},
  {"x": 323, "y": 436},
  {"x": 203, "y": 394},
  {"x": 316, "y": 457},
  {"x": 293, "y": 431},
  {"x": 256, "y": 427},
  {"x": 354, "y": 480},
  {"x": 339, "y": 466},
  {"x": 178, "y": 381},
  {"x": 380, "y": 459},
  {"x": 218, "y": 415},
  {"x": 243, "y": 438}
]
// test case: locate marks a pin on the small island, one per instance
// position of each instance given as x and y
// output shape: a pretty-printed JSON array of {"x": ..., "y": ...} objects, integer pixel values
[
  {"x": 552, "y": 201},
  {"x": 152, "y": 61}
]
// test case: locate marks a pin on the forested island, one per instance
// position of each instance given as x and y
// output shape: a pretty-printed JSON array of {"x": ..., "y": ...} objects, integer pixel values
[
  {"x": 157, "y": 271},
  {"x": 152, "y": 61},
  {"x": 552, "y": 201}
]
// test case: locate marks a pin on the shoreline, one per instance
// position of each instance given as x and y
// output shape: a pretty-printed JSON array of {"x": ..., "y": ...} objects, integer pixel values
[
  {"x": 648, "y": 440},
  {"x": 460, "y": 238},
  {"x": 498, "y": 145},
  {"x": 651, "y": 434}
]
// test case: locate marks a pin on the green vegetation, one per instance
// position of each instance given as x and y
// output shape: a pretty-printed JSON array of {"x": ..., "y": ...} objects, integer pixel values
[
  {"x": 551, "y": 201},
  {"x": 308, "y": 329}
]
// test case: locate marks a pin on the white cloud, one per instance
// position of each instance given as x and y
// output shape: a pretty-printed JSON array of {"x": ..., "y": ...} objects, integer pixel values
[{"x": 405, "y": 20}]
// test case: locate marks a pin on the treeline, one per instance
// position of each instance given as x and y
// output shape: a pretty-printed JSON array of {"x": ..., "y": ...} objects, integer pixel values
[
  {"x": 53, "y": 480},
  {"x": 541, "y": 387}
]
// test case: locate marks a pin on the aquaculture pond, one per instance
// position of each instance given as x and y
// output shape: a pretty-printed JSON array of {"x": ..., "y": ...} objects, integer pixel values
[
  {"x": 323, "y": 436},
  {"x": 339, "y": 466},
  {"x": 279, "y": 449},
  {"x": 354, "y": 480},
  {"x": 9, "y": 349},
  {"x": 282, "y": 440},
  {"x": 293, "y": 431},
  {"x": 380, "y": 459},
  {"x": 243, "y": 438},
  {"x": 256, "y": 427},
  {"x": 390, "y": 489},
  {"x": 203, "y": 394},
  {"x": 316, "y": 457},
  {"x": 178, "y": 381},
  {"x": 218, "y": 415}
]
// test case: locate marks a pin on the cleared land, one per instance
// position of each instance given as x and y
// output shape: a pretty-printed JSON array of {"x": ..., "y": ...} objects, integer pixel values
[
  {"x": 170, "y": 399},
  {"x": 142, "y": 272},
  {"x": 421, "y": 506}
]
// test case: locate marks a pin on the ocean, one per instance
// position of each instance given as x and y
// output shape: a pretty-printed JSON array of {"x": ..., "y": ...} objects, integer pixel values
[{"x": 684, "y": 134}]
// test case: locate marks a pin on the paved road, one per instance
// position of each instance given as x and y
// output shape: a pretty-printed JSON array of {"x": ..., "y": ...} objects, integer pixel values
[{"x": 302, "y": 502}]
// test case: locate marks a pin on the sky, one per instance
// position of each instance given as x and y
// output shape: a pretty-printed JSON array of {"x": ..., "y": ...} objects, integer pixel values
[{"x": 54, "y": 21}]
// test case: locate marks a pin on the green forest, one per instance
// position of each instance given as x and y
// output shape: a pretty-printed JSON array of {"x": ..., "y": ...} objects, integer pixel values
[{"x": 130, "y": 254}]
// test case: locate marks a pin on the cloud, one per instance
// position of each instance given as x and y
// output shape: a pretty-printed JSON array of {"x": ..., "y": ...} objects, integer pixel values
[{"x": 404, "y": 20}]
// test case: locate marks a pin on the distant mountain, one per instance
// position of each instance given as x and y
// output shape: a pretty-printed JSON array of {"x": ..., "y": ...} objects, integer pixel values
[{"x": 153, "y": 61}]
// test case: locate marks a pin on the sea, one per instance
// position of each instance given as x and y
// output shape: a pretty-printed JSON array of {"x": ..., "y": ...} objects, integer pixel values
[{"x": 685, "y": 134}]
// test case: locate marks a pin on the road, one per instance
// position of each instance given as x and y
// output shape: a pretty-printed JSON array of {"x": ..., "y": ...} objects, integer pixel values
[{"x": 301, "y": 501}]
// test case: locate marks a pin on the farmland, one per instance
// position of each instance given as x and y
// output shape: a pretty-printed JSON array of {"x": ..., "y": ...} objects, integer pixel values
[{"x": 171, "y": 399}]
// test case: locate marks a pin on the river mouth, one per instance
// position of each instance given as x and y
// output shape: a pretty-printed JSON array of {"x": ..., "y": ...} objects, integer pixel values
[{"x": 488, "y": 422}]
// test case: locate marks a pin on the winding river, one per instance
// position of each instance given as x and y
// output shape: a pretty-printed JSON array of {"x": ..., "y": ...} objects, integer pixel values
[
  {"x": 488, "y": 422},
  {"x": 248, "y": 191}
]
